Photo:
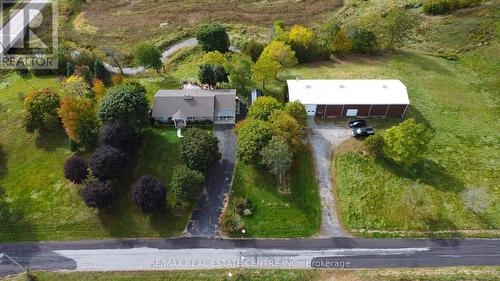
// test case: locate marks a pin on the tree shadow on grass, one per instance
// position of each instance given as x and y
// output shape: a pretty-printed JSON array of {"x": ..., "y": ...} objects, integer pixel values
[
  {"x": 424, "y": 63},
  {"x": 51, "y": 140},
  {"x": 3, "y": 162},
  {"x": 426, "y": 171},
  {"x": 14, "y": 224}
]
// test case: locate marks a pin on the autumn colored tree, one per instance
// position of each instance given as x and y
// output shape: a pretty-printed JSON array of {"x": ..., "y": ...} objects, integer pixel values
[
  {"x": 76, "y": 86},
  {"x": 281, "y": 53},
  {"x": 40, "y": 109},
  {"x": 341, "y": 43},
  {"x": 73, "y": 112},
  {"x": 99, "y": 89}
]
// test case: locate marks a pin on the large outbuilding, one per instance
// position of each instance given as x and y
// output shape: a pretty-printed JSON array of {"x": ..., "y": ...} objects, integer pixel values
[
  {"x": 188, "y": 105},
  {"x": 350, "y": 98}
]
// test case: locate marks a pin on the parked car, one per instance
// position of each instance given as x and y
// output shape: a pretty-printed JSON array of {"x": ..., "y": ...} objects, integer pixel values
[
  {"x": 363, "y": 132},
  {"x": 357, "y": 124}
]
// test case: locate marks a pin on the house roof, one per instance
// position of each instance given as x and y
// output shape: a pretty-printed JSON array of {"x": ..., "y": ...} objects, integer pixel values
[
  {"x": 192, "y": 102},
  {"x": 348, "y": 91}
]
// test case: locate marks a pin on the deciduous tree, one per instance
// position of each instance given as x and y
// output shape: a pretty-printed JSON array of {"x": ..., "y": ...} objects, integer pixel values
[
  {"x": 40, "y": 109},
  {"x": 240, "y": 71},
  {"x": 97, "y": 194},
  {"x": 75, "y": 110},
  {"x": 148, "y": 56},
  {"x": 76, "y": 169},
  {"x": 199, "y": 149},
  {"x": 407, "y": 142},
  {"x": 126, "y": 102},
  {"x": 287, "y": 129},
  {"x": 263, "y": 107},
  {"x": 120, "y": 135},
  {"x": 184, "y": 181},
  {"x": 298, "y": 112},
  {"x": 277, "y": 158},
  {"x": 398, "y": 25},
  {"x": 107, "y": 163},
  {"x": 149, "y": 194},
  {"x": 253, "y": 136},
  {"x": 213, "y": 37},
  {"x": 265, "y": 69}
]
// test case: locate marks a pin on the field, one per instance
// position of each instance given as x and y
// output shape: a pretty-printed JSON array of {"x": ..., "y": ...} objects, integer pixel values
[
  {"x": 458, "y": 101},
  {"x": 42, "y": 205},
  {"x": 292, "y": 215},
  {"x": 119, "y": 24},
  {"x": 434, "y": 274}
]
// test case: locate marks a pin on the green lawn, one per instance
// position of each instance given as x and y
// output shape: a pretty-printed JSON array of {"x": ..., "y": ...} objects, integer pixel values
[
  {"x": 421, "y": 274},
  {"x": 293, "y": 215},
  {"x": 459, "y": 101},
  {"x": 42, "y": 205}
]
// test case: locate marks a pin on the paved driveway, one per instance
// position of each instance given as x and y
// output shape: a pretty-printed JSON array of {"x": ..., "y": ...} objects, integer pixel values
[
  {"x": 324, "y": 138},
  {"x": 205, "y": 218}
]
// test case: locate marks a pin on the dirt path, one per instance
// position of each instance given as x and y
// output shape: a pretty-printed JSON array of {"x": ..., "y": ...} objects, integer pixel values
[{"x": 324, "y": 138}]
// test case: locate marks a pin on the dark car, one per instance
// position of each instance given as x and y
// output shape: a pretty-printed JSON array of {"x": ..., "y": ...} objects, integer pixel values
[
  {"x": 363, "y": 132},
  {"x": 357, "y": 124}
]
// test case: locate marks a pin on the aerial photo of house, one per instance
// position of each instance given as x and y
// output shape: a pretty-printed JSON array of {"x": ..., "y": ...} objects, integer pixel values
[{"x": 277, "y": 140}]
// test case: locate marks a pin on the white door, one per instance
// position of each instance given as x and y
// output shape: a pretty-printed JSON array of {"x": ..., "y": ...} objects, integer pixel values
[{"x": 310, "y": 109}]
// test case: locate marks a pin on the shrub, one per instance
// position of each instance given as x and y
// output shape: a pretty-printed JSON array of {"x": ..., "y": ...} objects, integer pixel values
[
  {"x": 232, "y": 223},
  {"x": 128, "y": 103},
  {"x": 107, "y": 162},
  {"x": 97, "y": 194},
  {"x": 364, "y": 41},
  {"x": 475, "y": 199},
  {"x": 199, "y": 149},
  {"x": 120, "y": 135},
  {"x": 439, "y": 7},
  {"x": 76, "y": 170},
  {"x": 149, "y": 194},
  {"x": 117, "y": 79},
  {"x": 375, "y": 144},
  {"x": 342, "y": 44},
  {"x": 40, "y": 109},
  {"x": 241, "y": 204},
  {"x": 184, "y": 181},
  {"x": 213, "y": 37},
  {"x": 263, "y": 107},
  {"x": 253, "y": 49}
]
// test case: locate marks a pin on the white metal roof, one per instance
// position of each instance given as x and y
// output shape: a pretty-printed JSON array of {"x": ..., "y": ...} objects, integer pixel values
[{"x": 348, "y": 91}]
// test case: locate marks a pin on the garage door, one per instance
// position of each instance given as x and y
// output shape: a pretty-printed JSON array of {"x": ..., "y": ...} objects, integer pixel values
[
  {"x": 363, "y": 110},
  {"x": 379, "y": 110},
  {"x": 333, "y": 111}
]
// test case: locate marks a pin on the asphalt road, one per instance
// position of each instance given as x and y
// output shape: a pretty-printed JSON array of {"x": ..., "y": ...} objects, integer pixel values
[
  {"x": 198, "y": 252},
  {"x": 205, "y": 218}
]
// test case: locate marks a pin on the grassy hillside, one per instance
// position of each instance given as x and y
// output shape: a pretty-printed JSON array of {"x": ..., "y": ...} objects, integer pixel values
[{"x": 119, "y": 25}]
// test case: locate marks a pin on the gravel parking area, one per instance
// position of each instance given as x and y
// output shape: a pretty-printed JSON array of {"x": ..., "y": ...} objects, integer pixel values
[{"x": 324, "y": 138}]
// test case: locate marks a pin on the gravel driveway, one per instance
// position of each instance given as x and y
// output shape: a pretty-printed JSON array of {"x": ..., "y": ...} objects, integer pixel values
[{"x": 324, "y": 138}]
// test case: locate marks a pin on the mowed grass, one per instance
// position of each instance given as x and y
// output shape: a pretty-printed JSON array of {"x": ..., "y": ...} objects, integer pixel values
[
  {"x": 276, "y": 215},
  {"x": 459, "y": 102},
  {"x": 42, "y": 205},
  {"x": 427, "y": 274}
]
